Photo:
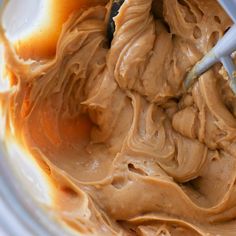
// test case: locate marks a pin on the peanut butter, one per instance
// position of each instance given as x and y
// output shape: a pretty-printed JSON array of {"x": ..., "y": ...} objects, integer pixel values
[{"x": 131, "y": 152}]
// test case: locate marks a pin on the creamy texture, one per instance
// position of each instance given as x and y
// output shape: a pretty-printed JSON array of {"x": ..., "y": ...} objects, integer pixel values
[{"x": 129, "y": 151}]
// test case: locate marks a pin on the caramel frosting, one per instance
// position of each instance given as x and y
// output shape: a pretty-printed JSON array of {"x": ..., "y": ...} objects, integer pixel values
[{"x": 129, "y": 151}]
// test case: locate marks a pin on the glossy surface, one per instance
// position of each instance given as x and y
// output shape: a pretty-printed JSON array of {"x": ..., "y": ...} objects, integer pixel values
[{"x": 127, "y": 150}]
